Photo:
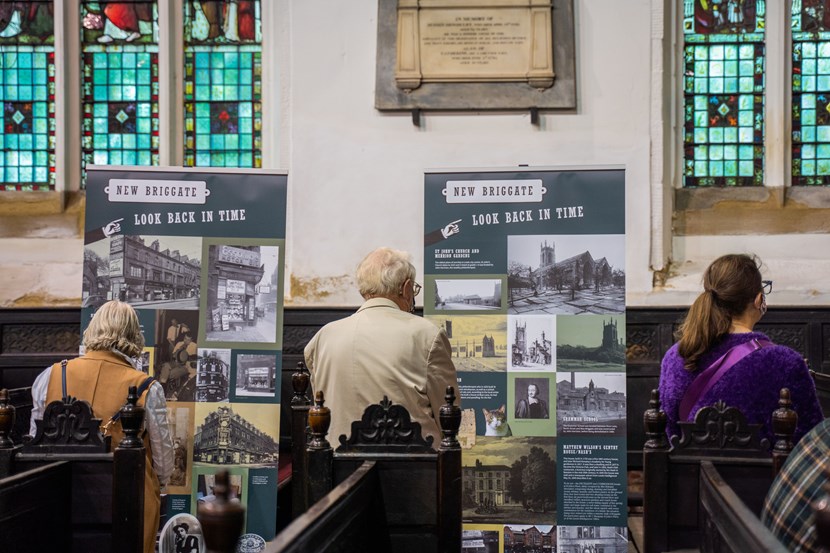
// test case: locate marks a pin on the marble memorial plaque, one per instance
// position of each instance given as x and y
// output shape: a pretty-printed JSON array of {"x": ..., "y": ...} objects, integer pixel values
[{"x": 451, "y": 41}]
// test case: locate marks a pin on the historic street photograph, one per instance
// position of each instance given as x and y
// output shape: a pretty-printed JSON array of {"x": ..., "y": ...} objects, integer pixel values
[
  {"x": 255, "y": 376},
  {"x": 213, "y": 374},
  {"x": 96, "y": 288},
  {"x": 156, "y": 272},
  {"x": 236, "y": 434},
  {"x": 468, "y": 294},
  {"x": 242, "y": 286},
  {"x": 524, "y": 538},
  {"x": 608, "y": 539},
  {"x": 590, "y": 403},
  {"x": 566, "y": 274}
]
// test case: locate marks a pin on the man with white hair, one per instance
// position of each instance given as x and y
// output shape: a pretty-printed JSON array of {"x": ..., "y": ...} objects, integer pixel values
[{"x": 382, "y": 350}]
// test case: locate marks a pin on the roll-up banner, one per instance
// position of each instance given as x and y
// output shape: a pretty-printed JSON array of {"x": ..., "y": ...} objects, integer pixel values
[
  {"x": 525, "y": 270},
  {"x": 199, "y": 253}
]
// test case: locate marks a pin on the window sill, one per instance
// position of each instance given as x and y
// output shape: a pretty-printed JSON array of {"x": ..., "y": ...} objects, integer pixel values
[
  {"x": 41, "y": 214},
  {"x": 755, "y": 210}
]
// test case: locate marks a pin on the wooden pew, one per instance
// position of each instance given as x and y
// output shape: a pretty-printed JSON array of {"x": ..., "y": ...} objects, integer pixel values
[
  {"x": 384, "y": 489},
  {"x": 671, "y": 473},
  {"x": 63, "y": 490},
  {"x": 728, "y": 525}
]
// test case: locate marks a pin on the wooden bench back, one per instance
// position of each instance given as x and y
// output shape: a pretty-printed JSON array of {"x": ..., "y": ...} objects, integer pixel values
[
  {"x": 728, "y": 524},
  {"x": 671, "y": 472},
  {"x": 385, "y": 488},
  {"x": 77, "y": 494}
]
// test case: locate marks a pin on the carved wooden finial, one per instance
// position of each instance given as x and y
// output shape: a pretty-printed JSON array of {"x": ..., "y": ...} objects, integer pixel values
[
  {"x": 319, "y": 420},
  {"x": 132, "y": 417},
  {"x": 450, "y": 419},
  {"x": 221, "y": 518},
  {"x": 7, "y": 414},
  {"x": 654, "y": 422},
  {"x": 784, "y": 422},
  {"x": 299, "y": 380}
]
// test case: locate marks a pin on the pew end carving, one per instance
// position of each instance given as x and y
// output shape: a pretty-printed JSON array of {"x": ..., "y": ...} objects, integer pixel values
[
  {"x": 65, "y": 474},
  {"x": 300, "y": 406},
  {"x": 721, "y": 435},
  {"x": 373, "y": 479}
]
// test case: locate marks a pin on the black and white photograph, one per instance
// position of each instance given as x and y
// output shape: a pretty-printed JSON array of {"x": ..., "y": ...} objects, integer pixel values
[
  {"x": 532, "y": 398},
  {"x": 478, "y": 342},
  {"x": 236, "y": 434},
  {"x": 255, "y": 376},
  {"x": 97, "y": 288},
  {"x": 242, "y": 286},
  {"x": 509, "y": 480},
  {"x": 523, "y": 538},
  {"x": 147, "y": 359},
  {"x": 182, "y": 534},
  {"x": 177, "y": 353},
  {"x": 566, "y": 274},
  {"x": 471, "y": 294},
  {"x": 532, "y": 343},
  {"x": 213, "y": 374},
  {"x": 156, "y": 272},
  {"x": 590, "y": 403},
  {"x": 480, "y": 541},
  {"x": 180, "y": 420},
  {"x": 591, "y": 539},
  {"x": 590, "y": 342}
]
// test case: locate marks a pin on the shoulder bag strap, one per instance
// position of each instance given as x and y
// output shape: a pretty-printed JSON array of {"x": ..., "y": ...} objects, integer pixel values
[
  {"x": 63, "y": 380},
  {"x": 141, "y": 389},
  {"x": 709, "y": 377}
]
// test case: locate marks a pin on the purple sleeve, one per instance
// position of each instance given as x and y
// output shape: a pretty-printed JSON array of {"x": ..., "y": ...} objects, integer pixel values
[
  {"x": 673, "y": 383},
  {"x": 803, "y": 394}
]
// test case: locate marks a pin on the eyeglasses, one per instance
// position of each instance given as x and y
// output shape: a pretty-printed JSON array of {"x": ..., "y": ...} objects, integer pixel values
[
  {"x": 766, "y": 286},
  {"x": 416, "y": 288}
]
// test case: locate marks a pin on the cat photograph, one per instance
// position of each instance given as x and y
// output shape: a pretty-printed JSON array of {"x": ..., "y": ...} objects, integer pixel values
[{"x": 496, "y": 422}]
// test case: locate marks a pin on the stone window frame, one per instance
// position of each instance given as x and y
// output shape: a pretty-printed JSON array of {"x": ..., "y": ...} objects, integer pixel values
[
  {"x": 775, "y": 208},
  {"x": 65, "y": 204}
]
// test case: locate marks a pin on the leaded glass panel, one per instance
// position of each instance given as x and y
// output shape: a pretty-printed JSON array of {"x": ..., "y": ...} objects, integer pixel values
[
  {"x": 724, "y": 92},
  {"x": 27, "y": 94},
  {"x": 120, "y": 83},
  {"x": 223, "y": 84},
  {"x": 811, "y": 92}
]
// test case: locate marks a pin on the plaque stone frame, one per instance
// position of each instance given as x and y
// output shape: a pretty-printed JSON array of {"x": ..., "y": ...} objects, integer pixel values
[{"x": 532, "y": 69}]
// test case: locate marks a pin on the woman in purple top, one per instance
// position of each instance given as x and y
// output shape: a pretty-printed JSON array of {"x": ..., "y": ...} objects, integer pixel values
[{"x": 722, "y": 317}]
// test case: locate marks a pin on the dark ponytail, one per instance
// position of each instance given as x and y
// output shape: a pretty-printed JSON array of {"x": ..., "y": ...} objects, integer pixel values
[{"x": 730, "y": 284}]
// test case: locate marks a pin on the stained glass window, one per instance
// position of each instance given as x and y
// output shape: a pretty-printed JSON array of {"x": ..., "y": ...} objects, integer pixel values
[
  {"x": 119, "y": 43},
  {"x": 27, "y": 93},
  {"x": 223, "y": 84},
  {"x": 811, "y": 92},
  {"x": 724, "y": 92}
]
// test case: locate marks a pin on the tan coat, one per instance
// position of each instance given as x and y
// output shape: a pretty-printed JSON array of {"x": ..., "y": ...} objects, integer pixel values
[
  {"x": 103, "y": 379},
  {"x": 381, "y": 350}
]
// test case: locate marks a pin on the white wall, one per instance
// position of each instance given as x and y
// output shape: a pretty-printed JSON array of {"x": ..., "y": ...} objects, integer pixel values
[{"x": 356, "y": 175}]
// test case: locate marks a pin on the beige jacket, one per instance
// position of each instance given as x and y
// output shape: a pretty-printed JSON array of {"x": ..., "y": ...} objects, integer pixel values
[{"x": 381, "y": 350}]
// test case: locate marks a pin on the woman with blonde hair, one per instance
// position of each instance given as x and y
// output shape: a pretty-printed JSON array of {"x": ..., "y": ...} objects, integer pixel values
[
  {"x": 102, "y": 376},
  {"x": 719, "y": 355}
]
